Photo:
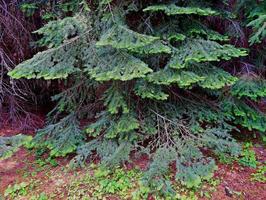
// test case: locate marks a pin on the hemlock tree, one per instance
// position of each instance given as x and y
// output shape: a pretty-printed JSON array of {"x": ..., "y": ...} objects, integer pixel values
[{"x": 150, "y": 75}]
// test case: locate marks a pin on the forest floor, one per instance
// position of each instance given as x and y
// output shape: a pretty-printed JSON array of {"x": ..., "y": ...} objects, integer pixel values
[{"x": 25, "y": 176}]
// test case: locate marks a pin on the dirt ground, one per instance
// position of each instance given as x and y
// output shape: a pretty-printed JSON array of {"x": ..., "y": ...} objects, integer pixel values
[{"x": 235, "y": 180}]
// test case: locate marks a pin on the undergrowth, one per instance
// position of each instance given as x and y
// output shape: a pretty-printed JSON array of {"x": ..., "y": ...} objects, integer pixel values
[
  {"x": 97, "y": 182},
  {"x": 260, "y": 174},
  {"x": 248, "y": 156}
]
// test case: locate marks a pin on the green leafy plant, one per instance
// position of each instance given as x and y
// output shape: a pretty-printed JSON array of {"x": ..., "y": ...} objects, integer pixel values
[
  {"x": 260, "y": 174},
  {"x": 41, "y": 196},
  {"x": 105, "y": 182},
  {"x": 248, "y": 156},
  {"x": 259, "y": 25},
  {"x": 16, "y": 189},
  {"x": 225, "y": 159},
  {"x": 28, "y": 8},
  {"x": 9, "y": 145},
  {"x": 119, "y": 182}
]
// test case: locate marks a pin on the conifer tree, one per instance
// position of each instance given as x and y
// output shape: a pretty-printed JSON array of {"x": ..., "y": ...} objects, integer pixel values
[{"x": 145, "y": 71}]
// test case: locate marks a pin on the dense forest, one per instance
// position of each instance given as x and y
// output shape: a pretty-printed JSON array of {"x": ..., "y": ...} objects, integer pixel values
[{"x": 179, "y": 81}]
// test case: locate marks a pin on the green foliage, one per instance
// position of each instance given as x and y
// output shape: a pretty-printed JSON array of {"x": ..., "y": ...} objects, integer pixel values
[
  {"x": 248, "y": 156},
  {"x": 126, "y": 123},
  {"x": 101, "y": 124},
  {"x": 120, "y": 37},
  {"x": 243, "y": 114},
  {"x": 41, "y": 196},
  {"x": 254, "y": 12},
  {"x": 67, "y": 39},
  {"x": 119, "y": 155},
  {"x": 195, "y": 30},
  {"x": 260, "y": 174},
  {"x": 157, "y": 78},
  {"x": 225, "y": 159},
  {"x": 113, "y": 127},
  {"x": 172, "y": 9},
  {"x": 104, "y": 183},
  {"x": 259, "y": 25},
  {"x": 48, "y": 64},
  {"x": 17, "y": 189},
  {"x": 23, "y": 189},
  {"x": 214, "y": 77},
  {"x": 115, "y": 65},
  {"x": 251, "y": 88},
  {"x": 194, "y": 175},
  {"x": 221, "y": 141},
  {"x": 153, "y": 48},
  {"x": 54, "y": 33},
  {"x": 72, "y": 6},
  {"x": 111, "y": 152},
  {"x": 115, "y": 100},
  {"x": 120, "y": 181},
  {"x": 103, "y": 2},
  {"x": 193, "y": 168},
  {"x": 160, "y": 165},
  {"x": 199, "y": 50},
  {"x": 205, "y": 76},
  {"x": 28, "y": 8},
  {"x": 61, "y": 138},
  {"x": 176, "y": 37},
  {"x": 168, "y": 76},
  {"x": 9, "y": 145},
  {"x": 150, "y": 91},
  {"x": 79, "y": 94}
]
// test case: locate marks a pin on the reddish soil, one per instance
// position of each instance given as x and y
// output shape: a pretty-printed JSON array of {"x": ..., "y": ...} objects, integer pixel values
[
  {"x": 13, "y": 169},
  {"x": 9, "y": 169},
  {"x": 7, "y": 132},
  {"x": 235, "y": 180},
  {"x": 238, "y": 182}
]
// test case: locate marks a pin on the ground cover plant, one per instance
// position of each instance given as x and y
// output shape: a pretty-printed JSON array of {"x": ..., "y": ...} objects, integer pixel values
[
  {"x": 173, "y": 80},
  {"x": 26, "y": 175}
]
